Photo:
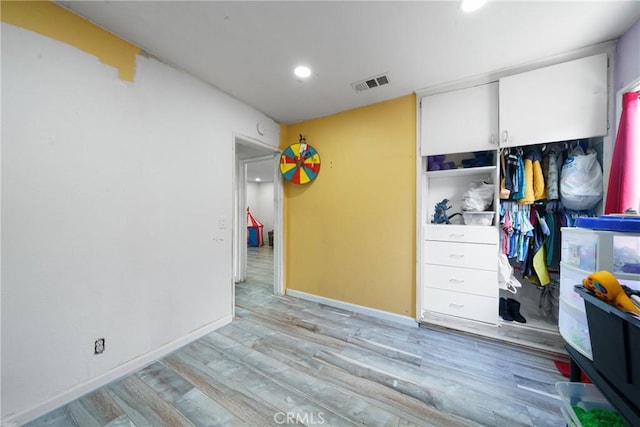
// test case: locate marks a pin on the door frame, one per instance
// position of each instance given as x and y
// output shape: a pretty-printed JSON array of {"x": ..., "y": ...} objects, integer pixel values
[{"x": 239, "y": 223}]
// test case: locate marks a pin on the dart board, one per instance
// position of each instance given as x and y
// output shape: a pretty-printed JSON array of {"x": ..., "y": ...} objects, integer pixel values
[{"x": 300, "y": 163}]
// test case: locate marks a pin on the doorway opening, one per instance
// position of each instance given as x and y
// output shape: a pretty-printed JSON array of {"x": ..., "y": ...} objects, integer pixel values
[{"x": 257, "y": 186}]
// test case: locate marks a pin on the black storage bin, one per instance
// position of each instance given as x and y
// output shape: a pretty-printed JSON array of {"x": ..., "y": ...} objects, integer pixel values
[{"x": 615, "y": 341}]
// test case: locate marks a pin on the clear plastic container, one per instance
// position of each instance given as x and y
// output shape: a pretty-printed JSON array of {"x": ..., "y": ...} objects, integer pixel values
[
  {"x": 574, "y": 328},
  {"x": 626, "y": 253},
  {"x": 569, "y": 277},
  {"x": 593, "y": 250},
  {"x": 478, "y": 218},
  {"x": 585, "y": 396},
  {"x": 579, "y": 248}
]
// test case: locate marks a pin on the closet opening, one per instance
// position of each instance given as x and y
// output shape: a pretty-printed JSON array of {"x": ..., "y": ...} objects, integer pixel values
[{"x": 565, "y": 181}]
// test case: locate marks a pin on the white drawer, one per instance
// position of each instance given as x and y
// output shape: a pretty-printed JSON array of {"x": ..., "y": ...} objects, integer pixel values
[
  {"x": 473, "y": 307},
  {"x": 461, "y": 233},
  {"x": 574, "y": 328},
  {"x": 471, "y": 281},
  {"x": 569, "y": 277},
  {"x": 468, "y": 255}
]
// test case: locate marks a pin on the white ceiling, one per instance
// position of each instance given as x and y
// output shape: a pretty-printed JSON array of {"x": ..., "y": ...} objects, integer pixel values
[
  {"x": 263, "y": 169},
  {"x": 249, "y": 49}
]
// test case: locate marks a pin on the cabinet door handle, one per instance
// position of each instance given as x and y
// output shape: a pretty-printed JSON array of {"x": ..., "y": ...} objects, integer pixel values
[
  {"x": 454, "y": 305},
  {"x": 492, "y": 139},
  {"x": 505, "y": 136},
  {"x": 456, "y": 236},
  {"x": 456, "y": 281},
  {"x": 456, "y": 256}
]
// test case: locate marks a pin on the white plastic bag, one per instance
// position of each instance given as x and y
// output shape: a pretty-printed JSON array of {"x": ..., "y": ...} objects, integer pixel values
[
  {"x": 581, "y": 180},
  {"x": 478, "y": 197},
  {"x": 506, "y": 279}
]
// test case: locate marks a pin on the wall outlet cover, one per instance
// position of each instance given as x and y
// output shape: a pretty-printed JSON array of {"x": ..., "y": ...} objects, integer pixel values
[{"x": 99, "y": 346}]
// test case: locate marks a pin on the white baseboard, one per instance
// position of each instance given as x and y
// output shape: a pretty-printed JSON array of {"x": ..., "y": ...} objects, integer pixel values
[
  {"x": 373, "y": 312},
  {"x": 114, "y": 374}
]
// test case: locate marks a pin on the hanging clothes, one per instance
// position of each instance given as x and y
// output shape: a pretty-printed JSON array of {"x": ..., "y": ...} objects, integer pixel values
[
  {"x": 552, "y": 239},
  {"x": 539, "y": 259},
  {"x": 525, "y": 227},
  {"x": 516, "y": 229},
  {"x": 533, "y": 176},
  {"x": 527, "y": 197},
  {"x": 533, "y": 215},
  {"x": 505, "y": 193},
  {"x": 519, "y": 183},
  {"x": 552, "y": 162},
  {"x": 512, "y": 181}
]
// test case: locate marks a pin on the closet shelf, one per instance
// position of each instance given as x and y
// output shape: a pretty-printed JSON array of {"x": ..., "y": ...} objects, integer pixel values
[{"x": 461, "y": 172}]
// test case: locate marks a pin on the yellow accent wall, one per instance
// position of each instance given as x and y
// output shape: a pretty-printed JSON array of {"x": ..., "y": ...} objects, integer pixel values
[
  {"x": 350, "y": 234},
  {"x": 55, "y": 22}
]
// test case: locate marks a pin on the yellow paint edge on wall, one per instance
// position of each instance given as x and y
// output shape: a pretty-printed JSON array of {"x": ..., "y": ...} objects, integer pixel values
[{"x": 55, "y": 22}]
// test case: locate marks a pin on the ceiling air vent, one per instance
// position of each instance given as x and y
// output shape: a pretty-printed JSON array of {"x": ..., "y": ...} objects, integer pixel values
[{"x": 371, "y": 82}]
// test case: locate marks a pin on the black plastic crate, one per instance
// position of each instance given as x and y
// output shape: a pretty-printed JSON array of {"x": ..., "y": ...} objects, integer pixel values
[{"x": 615, "y": 342}]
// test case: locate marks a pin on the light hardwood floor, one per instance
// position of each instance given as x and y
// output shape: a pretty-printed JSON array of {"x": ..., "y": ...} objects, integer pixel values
[{"x": 288, "y": 361}]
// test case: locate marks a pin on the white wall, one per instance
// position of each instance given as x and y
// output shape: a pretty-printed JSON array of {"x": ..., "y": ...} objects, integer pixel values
[
  {"x": 111, "y": 198},
  {"x": 260, "y": 201}
]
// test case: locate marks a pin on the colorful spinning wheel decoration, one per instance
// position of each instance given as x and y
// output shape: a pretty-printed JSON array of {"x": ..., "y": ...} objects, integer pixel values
[{"x": 300, "y": 162}]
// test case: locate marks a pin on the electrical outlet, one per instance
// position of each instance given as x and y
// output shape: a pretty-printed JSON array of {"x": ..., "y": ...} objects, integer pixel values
[{"x": 99, "y": 346}]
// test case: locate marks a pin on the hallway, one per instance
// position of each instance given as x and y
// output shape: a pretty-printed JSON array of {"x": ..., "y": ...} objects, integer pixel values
[{"x": 289, "y": 361}]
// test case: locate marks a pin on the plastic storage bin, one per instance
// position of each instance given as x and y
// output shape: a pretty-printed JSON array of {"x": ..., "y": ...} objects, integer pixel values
[
  {"x": 579, "y": 248},
  {"x": 615, "y": 343},
  {"x": 574, "y": 328},
  {"x": 478, "y": 218},
  {"x": 585, "y": 396},
  {"x": 620, "y": 223},
  {"x": 569, "y": 278},
  {"x": 626, "y": 253},
  {"x": 607, "y": 243}
]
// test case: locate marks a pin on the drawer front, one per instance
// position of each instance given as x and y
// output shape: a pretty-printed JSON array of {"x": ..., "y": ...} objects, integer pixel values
[
  {"x": 473, "y": 307},
  {"x": 579, "y": 248},
  {"x": 467, "y": 255},
  {"x": 462, "y": 233},
  {"x": 574, "y": 328},
  {"x": 471, "y": 281},
  {"x": 569, "y": 277}
]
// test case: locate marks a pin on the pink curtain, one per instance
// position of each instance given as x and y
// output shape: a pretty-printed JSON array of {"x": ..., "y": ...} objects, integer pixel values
[{"x": 624, "y": 180}]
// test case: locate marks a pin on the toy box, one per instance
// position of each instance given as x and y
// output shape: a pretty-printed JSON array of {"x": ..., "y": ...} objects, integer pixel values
[
  {"x": 584, "y": 396},
  {"x": 615, "y": 344}
]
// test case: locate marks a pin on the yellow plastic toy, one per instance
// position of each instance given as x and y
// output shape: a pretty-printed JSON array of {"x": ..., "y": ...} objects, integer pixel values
[{"x": 607, "y": 288}]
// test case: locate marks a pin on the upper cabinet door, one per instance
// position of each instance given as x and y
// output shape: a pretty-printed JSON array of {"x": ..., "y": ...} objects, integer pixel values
[
  {"x": 460, "y": 121},
  {"x": 557, "y": 103}
]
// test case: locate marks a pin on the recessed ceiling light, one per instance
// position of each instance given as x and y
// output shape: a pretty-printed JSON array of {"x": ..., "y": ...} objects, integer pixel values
[
  {"x": 257, "y": 179},
  {"x": 471, "y": 5},
  {"x": 302, "y": 71}
]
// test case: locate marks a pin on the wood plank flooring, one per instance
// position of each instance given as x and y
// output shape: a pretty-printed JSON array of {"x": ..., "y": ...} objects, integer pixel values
[{"x": 288, "y": 361}]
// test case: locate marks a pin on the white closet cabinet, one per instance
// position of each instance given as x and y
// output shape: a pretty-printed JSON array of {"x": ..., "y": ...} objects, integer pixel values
[
  {"x": 558, "y": 103},
  {"x": 460, "y": 121},
  {"x": 460, "y": 271},
  {"x": 459, "y": 267},
  {"x": 457, "y": 284}
]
